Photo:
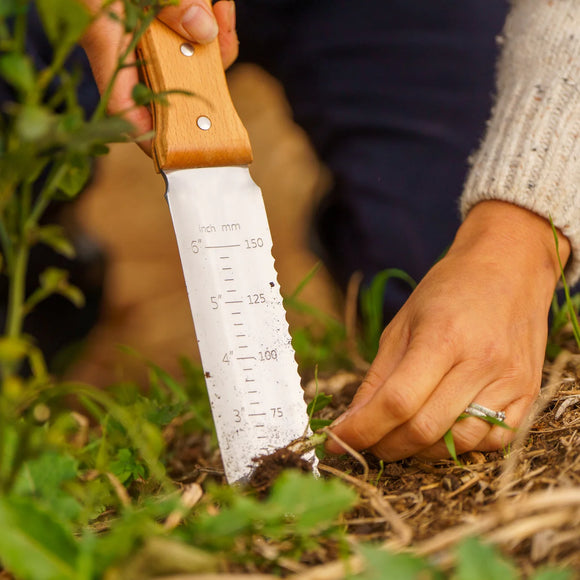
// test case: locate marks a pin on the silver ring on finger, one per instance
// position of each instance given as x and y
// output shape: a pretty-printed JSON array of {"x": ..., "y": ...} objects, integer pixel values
[{"x": 477, "y": 410}]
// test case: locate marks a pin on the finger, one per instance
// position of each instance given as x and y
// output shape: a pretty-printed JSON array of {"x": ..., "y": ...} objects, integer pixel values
[
  {"x": 121, "y": 102},
  {"x": 393, "y": 344},
  {"x": 225, "y": 13},
  {"x": 103, "y": 44},
  {"x": 399, "y": 398},
  {"x": 499, "y": 437},
  {"x": 467, "y": 434},
  {"x": 438, "y": 415},
  {"x": 192, "y": 19}
]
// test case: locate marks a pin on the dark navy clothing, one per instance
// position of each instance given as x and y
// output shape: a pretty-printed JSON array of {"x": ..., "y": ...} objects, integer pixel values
[{"x": 394, "y": 95}]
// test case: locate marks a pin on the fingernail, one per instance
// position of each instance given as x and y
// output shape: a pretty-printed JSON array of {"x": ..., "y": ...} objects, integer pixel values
[{"x": 199, "y": 24}]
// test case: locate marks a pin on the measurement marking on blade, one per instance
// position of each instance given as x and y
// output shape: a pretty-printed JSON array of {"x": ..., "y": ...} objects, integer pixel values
[
  {"x": 234, "y": 301},
  {"x": 246, "y": 358},
  {"x": 240, "y": 335},
  {"x": 228, "y": 279},
  {"x": 231, "y": 290},
  {"x": 262, "y": 437},
  {"x": 251, "y": 392},
  {"x": 224, "y": 246},
  {"x": 261, "y": 425},
  {"x": 224, "y": 257},
  {"x": 250, "y": 369},
  {"x": 250, "y": 381},
  {"x": 238, "y": 323},
  {"x": 255, "y": 403},
  {"x": 236, "y": 312},
  {"x": 256, "y": 415},
  {"x": 226, "y": 268}
]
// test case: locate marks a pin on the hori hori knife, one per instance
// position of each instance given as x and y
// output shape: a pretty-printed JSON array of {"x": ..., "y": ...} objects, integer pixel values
[{"x": 202, "y": 150}]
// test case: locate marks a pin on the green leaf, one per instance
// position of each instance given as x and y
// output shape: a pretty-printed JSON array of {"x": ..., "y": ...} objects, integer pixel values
[
  {"x": 44, "y": 477},
  {"x": 54, "y": 236},
  {"x": 142, "y": 94},
  {"x": 10, "y": 8},
  {"x": 107, "y": 129},
  {"x": 55, "y": 281},
  {"x": 478, "y": 561},
  {"x": 34, "y": 123},
  {"x": 382, "y": 564},
  {"x": 299, "y": 505},
  {"x": 371, "y": 303},
  {"x": 76, "y": 177},
  {"x": 316, "y": 424},
  {"x": 313, "y": 503},
  {"x": 320, "y": 401},
  {"x": 64, "y": 21},
  {"x": 17, "y": 70},
  {"x": 569, "y": 302},
  {"x": 450, "y": 444},
  {"x": 127, "y": 466},
  {"x": 34, "y": 544},
  {"x": 13, "y": 350}
]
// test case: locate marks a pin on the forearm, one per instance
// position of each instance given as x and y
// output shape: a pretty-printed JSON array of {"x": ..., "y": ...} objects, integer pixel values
[{"x": 530, "y": 156}]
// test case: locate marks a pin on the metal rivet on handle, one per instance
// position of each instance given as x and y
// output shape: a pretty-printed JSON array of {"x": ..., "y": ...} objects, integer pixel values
[
  {"x": 187, "y": 49},
  {"x": 203, "y": 123}
]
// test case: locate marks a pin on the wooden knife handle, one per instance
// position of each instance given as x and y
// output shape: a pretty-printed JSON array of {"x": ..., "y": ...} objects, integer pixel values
[{"x": 200, "y": 129}]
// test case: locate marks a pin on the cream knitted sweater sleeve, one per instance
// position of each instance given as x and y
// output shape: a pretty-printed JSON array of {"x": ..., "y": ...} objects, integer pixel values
[{"x": 530, "y": 155}]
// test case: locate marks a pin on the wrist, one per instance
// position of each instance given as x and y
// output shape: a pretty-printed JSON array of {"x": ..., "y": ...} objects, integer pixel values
[{"x": 521, "y": 239}]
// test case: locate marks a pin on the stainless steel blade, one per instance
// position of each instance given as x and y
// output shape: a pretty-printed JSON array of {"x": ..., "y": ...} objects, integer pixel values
[{"x": 226, "y": 253}]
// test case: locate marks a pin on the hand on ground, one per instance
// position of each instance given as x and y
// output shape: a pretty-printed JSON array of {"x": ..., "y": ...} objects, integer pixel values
[{"x": 474, "y": 330}]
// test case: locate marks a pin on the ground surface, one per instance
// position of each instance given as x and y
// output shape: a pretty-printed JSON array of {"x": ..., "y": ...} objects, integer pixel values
[{"x": 525, "y": 500}]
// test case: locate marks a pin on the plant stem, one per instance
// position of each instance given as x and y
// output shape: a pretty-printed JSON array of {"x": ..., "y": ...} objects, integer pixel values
[
  {"x": 46, "y": 195},
  {"x": 6, "y": 244},
  {"x": 16, "y": 291}
]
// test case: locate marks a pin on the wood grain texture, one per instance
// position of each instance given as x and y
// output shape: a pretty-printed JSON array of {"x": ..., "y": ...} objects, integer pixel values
[{"x": 179, "y": 143}]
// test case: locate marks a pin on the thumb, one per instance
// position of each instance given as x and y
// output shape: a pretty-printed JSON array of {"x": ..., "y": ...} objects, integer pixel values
[{"x": 192, "y": 19}]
